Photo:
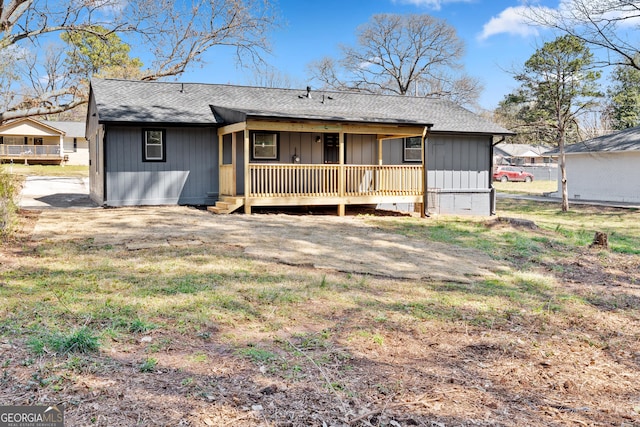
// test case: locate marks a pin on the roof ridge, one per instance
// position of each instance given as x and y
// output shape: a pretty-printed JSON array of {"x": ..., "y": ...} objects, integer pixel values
[{"x": 303, "y": 90}]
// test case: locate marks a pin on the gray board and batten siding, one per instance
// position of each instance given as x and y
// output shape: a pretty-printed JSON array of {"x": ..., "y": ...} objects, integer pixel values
[
  {"x": 458, "y": 173},
  {"x": 187, "y": 177},
  {"x": 459, "y": 147}
]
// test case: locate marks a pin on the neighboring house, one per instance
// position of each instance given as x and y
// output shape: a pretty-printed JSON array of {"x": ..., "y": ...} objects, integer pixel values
[
  {"x": 604, "y": 168},
  {"x": 157, "y": 143},
  {"x": 76, "y": 147},
  {"x": 522, "y": 155},
  {"x": 33, "y": 141}
]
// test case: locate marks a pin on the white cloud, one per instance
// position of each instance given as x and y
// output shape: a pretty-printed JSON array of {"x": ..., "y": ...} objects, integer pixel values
[
  {"x": 513, "y": 20},
  {"x": 432, "y": 4},
  {"x": 509, "y": 21},
  {"x": 625, "y": 15}
]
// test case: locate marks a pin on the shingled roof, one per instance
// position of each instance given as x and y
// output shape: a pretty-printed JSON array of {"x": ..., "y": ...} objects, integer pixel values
[
  {"x": 624, "y": 140},
  {"x": 123, "y": 101}
]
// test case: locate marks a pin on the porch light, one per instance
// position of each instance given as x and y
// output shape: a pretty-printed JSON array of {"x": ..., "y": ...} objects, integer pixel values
[{"x": 318, "y": 139}]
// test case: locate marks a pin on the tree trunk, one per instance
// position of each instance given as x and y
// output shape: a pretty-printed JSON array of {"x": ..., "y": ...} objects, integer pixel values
[{"x": 563, "y": 171}]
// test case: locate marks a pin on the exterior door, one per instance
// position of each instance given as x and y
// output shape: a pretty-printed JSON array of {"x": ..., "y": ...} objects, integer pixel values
[{"x": 331, "y": 148}]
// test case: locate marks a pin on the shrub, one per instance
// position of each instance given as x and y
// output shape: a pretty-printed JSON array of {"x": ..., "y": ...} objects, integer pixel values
[{"x": 7, "y": 205}]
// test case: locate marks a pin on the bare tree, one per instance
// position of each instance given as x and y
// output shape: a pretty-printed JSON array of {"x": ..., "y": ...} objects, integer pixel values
[
  {"x": 401, "y": 54},
  {"x": 175, "y": 34},
  {"x": 269, "y": 76},
  {"x": 598, "y": 23}
]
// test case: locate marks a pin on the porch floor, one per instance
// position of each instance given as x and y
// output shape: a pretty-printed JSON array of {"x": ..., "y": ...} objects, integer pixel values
[{"x": 230, "y": 204}]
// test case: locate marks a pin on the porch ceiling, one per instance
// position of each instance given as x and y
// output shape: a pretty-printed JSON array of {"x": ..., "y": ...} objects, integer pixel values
[{"x": 382, "y": 131}]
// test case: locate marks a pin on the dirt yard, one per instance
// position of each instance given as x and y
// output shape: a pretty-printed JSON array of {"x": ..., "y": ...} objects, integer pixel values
[
  {"x": 346, "y": 244},
  {"x": 398, "y": 341}
]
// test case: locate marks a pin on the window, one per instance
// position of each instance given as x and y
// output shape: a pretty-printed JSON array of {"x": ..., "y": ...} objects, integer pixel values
[
  {"x": 13, "y": 140},
  {"x": 265, "y": 146},
  {"x": 153, "y": 145},
  {"x": 413, "y": 149}
]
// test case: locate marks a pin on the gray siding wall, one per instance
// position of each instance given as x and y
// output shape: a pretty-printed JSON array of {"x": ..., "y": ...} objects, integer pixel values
[
  {"x": 360, "y": 149},
  {"x": 453, "y": 161},
  {"x": 459, "y": 162},
  {"x": 94, "y": 133},
  {"x": 458, "y": 168},
  {"x": 301, "y": 144},
  {"x": 188, "y": 177}
]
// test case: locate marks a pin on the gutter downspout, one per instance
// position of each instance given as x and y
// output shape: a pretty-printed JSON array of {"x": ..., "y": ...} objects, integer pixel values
[
  {"x": 424, "y": 212},
  {"x": 492, "y": 207}
]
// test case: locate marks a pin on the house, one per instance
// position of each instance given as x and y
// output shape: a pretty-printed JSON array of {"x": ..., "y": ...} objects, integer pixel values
[
  {"x": 156, "y": 143},
  {"x": 32, "y": 141},
  {"x": 75, "y": 145},
  {"x": 522, "y": 155},
  {"x": 604, "y": 168}
]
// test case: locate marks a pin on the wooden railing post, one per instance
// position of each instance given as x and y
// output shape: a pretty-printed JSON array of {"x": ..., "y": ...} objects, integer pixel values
[
  {"x": 247, "y": 173},
  {"x": 342, "y": 181}
]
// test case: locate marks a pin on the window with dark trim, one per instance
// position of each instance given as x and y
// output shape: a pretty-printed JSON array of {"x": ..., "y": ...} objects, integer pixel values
[
  {"x": 412, "y": 151},
  {"x": 154, "y": 145},
  {"x": 264, "y": 146}
]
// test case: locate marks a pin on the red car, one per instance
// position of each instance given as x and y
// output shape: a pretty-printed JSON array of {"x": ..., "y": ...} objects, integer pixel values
[{"x": 511, "y": 173}]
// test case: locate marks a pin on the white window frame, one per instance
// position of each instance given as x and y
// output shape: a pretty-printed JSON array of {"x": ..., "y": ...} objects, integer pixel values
[
  {"x": 406, "y": 150},
  {"x": 147, "y": 144},
  {"x": 257, "y": 139}
]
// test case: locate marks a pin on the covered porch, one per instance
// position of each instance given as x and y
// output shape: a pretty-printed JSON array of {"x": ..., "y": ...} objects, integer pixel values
[
  {"x": 31, "y": 153},
  {"x": 303, "y": 178},
  {"x": 31, "y": 141}
]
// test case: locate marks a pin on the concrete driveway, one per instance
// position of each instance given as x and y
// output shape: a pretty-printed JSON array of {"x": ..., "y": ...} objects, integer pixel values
[{"x": 55, "y": 192}]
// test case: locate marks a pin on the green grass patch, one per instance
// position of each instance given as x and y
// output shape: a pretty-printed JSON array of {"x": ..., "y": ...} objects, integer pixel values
[
  {"x": 560, "y": 232},
  {"x": 82, "y": 340},
  {"x": 45, "y": 170},
  {"x": 257, "y": 355},
  {"x": 148, "y": 365},
  {"x": 534, "y": 188}
]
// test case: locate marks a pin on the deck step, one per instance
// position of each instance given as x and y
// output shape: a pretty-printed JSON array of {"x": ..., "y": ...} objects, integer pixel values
[{"x": 226, "y": 205}]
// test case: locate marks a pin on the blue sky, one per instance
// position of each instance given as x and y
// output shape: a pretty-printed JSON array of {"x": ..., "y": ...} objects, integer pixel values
[{"x": 496, "y": 39}]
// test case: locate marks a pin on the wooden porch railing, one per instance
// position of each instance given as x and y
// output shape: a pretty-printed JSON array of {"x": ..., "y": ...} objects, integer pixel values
[
  {"x": 227, "y": 180},
  {"x": 30, "y": 150},
  {"x": 284, "y": 180}
]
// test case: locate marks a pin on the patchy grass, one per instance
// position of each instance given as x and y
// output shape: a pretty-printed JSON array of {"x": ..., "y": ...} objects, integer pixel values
[
  {"x": 45, "y": 170},
  {"x": 550, "y": 339},
  {"x": 560, "y": 231},
  {"x": 536, "y": 188}
]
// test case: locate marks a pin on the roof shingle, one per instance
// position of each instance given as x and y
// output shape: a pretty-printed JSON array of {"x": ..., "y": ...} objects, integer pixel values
[
  {"x": 624, "y": 140},
  {"x": 192, "y": 103}
]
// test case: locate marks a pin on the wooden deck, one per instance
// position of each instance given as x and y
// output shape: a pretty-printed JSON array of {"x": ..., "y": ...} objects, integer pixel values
[
  {"x": 31, "y": 154},
  {"x": 305, "y": 185}
]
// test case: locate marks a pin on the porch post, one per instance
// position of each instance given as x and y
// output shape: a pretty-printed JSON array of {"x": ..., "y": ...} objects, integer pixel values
[
  {"x": 62, "y": 149},
  {"x": 220, "y": 161},
  {"x": 341, "y": 175},
  {"x": 234, "y": 160},
  {"x": 247, "y": 172},
  {"x": 425, "y": 183},
  {"x": 379, "y": 152}
]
